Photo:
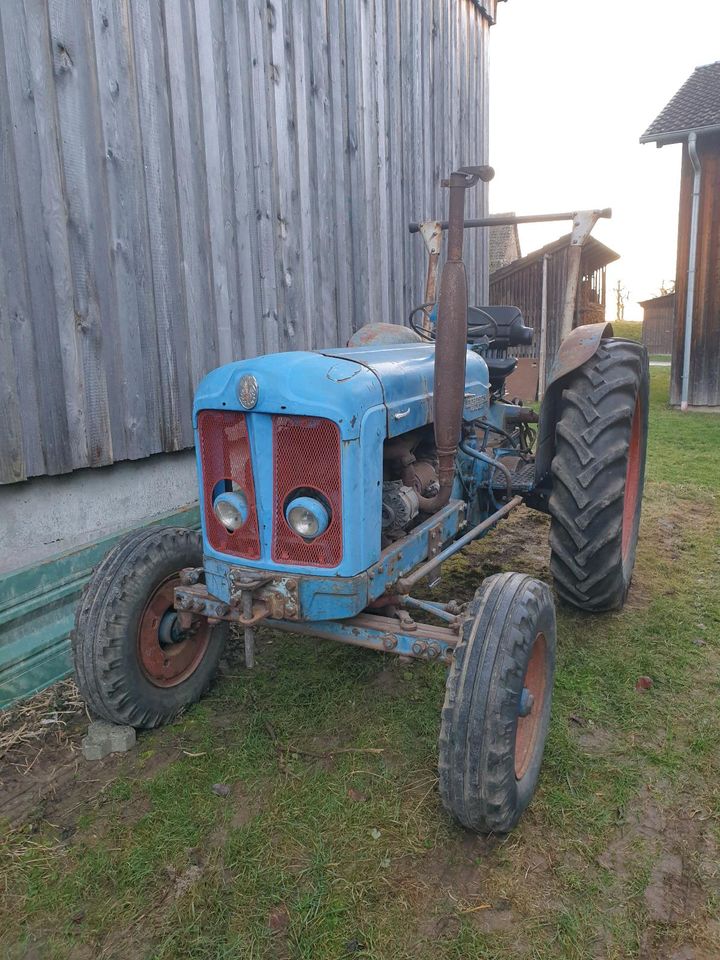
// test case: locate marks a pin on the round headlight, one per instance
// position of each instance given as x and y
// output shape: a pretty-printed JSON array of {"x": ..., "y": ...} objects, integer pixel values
[
  {"x": 307, "y": 517},
  {"x": 231, "y": 509}
]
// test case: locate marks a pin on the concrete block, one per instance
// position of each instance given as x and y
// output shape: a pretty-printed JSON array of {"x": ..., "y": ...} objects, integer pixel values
[{"x": 104, "y": 738}]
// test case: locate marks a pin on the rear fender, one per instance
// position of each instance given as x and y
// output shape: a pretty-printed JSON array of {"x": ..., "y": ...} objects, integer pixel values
[{"x": 575, "y": 350}]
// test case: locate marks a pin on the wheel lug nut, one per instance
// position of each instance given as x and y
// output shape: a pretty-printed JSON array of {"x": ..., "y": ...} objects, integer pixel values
[{"x": 526, "y": 702}]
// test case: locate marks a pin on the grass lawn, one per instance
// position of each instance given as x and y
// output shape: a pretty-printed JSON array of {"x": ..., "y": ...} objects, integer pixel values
[
  {"x": 327, "y": 839},
  {"x": 629, "y": 329}
]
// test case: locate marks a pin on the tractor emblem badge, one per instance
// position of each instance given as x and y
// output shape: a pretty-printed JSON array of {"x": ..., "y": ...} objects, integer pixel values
[{"x": 248, "y": 391}]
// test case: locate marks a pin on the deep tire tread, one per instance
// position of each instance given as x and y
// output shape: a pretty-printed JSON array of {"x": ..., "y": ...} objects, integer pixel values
[
  {"x": 102, "y": 641},
  {"x": 479, "y": 717},
  {"x": 588, "y": 470}
]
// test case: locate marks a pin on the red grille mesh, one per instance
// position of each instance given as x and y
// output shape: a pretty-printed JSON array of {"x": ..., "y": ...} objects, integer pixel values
[
  {"x": 225, "y": 455},
  {"x": 306, "y": 454}
]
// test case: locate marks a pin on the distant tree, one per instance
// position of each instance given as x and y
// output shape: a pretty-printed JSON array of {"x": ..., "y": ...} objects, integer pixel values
[
  {"x": 666, "y": 287},
  {"x": 622, "y": 295}
]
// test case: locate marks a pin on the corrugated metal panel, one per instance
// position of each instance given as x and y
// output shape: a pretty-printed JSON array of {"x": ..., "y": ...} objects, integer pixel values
[
  {"x": 704, "y": 387},
  {"x": 189, "y": 182}
]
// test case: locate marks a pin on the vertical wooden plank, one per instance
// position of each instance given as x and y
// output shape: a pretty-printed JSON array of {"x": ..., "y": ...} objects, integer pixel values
[
  {"x": 308, "y": 115},
  {"x": 362, "y": 301},
  {"x": 383, "y": 239},
  {"x": 399, "y": 236},
  {"x": 368, "y": 157},
  {"x": 30, "y": 87},
  {"x": 21, "y": 452},
  {"x": 159, "y": 184},
  {"x": 240, "y": 121},
  {"x": 12, "y": 461},
  {"x": 417, "y": 197},
  {"x": 210, "y": 97},
  {"x": 426, "y": 95},
  {"x": 191, "y": 187},
  {"x": 327, "y": 228},
  {"x": 262, "y": 162},
  {"x": 83, "y": 170},
  {"x": 283, "y": 133},
  {"x": 409, "y": 251},
  {"x": 337, "y": 72},
  {"x": 127, "y": 230}
]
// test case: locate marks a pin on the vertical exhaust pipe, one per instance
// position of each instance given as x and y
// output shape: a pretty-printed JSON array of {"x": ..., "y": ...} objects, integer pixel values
[{"x": 451, "y": 337}]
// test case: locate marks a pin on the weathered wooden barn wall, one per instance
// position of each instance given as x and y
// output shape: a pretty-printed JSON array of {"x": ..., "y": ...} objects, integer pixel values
[
  {"x": 704, "y": 387},
  {"x": 187, "y": 183},
  {"x": 658, "y": 322}
]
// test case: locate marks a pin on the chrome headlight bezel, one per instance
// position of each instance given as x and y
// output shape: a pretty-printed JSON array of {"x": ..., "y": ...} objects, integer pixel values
[
  {"x": 231, "y": 510},
  {"x": 308, "y": 517}
]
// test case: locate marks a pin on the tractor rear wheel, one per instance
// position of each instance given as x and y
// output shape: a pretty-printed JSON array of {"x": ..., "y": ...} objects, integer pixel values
[
  {"x": 133, "y": 662},
  {"x": 497, "y": 704},
  {"x": 598, "y": 475}
]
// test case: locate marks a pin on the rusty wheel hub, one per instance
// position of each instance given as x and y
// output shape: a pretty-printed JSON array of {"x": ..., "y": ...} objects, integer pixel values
[
  {"x": 168, "y": 655},
  {"x": 530, "y": 706}
]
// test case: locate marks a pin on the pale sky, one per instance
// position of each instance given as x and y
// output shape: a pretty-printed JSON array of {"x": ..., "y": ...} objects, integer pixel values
[{"x": 573, "y": 85}]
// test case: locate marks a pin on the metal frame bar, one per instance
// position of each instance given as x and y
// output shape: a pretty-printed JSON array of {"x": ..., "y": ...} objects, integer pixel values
[
  {"x": 498, "y": 221},
  {"x": 385, "y": 634},
  {"x": 407, "y": 583}
]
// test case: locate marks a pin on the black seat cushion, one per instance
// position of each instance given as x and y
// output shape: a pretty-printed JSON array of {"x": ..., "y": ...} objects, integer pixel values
[
  {"x": 502, "y": 325},
  {"x": 500, "y": 367}
]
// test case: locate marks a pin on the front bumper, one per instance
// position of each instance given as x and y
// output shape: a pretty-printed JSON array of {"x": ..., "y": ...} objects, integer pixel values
[{"x": 300, "y": 597}]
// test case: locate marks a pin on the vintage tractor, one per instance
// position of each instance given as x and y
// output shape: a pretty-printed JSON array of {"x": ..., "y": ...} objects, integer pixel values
[{"x": 333, "y": 482}]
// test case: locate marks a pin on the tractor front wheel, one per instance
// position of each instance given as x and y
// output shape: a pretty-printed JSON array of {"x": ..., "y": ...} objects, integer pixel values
[
  {"x": 497, "y": 704},
  {"x": 134, "y": 664},
  {"x": 598, "y": 473}
]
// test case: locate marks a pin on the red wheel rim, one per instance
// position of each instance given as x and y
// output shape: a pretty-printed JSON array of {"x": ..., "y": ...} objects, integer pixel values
[
  {"x": 528, "y": 727},
  {"x": 168, "y": 655},
  {"x": 632, "y": 481}
]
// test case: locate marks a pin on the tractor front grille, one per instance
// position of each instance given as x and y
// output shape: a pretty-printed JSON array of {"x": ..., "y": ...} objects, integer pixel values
[
  {"x": 226, "y": 465},
  {"x": 306, "y": 460}
]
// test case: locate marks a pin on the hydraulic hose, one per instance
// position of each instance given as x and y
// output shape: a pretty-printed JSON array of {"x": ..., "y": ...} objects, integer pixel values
[{"x": 479, "y": 455}]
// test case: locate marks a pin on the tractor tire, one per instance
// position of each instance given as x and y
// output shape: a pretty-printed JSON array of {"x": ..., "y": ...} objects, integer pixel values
[
  {"x": 497, "y": 704},
  {"x": 598, "y": 474},
  {"x": 133, "y": 664}
]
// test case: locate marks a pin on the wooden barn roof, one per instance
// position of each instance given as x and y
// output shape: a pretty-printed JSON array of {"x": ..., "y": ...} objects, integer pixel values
[
  {"x": 695, "y": 107},
  {"x": 663, "y": 298},
  {"x": 594, "y": 256}
]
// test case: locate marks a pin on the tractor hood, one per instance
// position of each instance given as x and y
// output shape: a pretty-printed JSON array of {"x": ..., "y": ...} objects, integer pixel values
[
  {"x": 407, "y": 375},
  {"x": 343, "y": 385}
]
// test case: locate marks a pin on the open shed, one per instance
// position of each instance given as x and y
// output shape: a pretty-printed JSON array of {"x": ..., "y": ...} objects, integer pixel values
[
  {"x": 537, "y": 284},
  {"x": 692, "y": 118}
]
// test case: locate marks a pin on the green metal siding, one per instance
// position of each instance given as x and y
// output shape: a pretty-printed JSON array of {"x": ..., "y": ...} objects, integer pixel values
[{"x": 37, "y": 610}]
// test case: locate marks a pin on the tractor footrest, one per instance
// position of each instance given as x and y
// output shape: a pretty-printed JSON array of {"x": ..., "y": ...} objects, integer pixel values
[{"x": 523, "y": 478}]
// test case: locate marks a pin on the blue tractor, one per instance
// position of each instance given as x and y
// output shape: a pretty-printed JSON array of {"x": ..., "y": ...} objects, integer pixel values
[{"x": 332, "y": 483}]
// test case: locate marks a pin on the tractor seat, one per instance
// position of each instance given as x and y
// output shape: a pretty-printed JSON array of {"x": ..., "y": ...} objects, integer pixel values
[
  {"x": 500, "y": 367},
  {"x": 503, "y": 325}
]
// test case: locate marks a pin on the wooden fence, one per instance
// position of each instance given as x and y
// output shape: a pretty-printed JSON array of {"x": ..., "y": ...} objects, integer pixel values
[{"x": 187, "y": 183}]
